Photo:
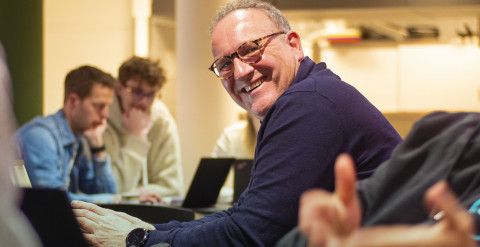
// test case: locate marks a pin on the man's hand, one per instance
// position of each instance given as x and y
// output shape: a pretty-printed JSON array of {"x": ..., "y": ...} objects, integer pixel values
[
  {"x": 455, "y": 229},
  {"x": 137, "y": 122},
  {"x": 323, "y": 214},
  {"x": 105, "y": 227},
  {"x": 148, "y": 196},
  {"x": 457, "y": 226},
  {"x": 117, "y": 198},
  {"x": 94, "y": 135}
]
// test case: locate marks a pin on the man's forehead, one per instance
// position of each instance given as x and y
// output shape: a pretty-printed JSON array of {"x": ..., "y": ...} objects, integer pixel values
[
  {"x": 100, "y": 89},
  {"x": 237, "y": 28},
  {"x": 99, "y": 93},
  {"x": 139, "y": 83},
  {"x": 244, "y": 21}
]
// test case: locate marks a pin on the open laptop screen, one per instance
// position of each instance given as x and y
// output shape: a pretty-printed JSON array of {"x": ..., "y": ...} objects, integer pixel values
[
  {"x": 207, "y": 182},
  {"x": 19, "y": 174},
  {"x": 241, "y": 176}
]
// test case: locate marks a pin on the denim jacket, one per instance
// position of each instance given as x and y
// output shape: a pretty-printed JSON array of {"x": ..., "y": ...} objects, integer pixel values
[{"x": 48, "y": 147}]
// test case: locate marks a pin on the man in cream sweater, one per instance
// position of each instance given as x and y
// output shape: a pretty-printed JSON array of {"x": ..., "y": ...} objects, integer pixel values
[{"x": 141, "y": 136}]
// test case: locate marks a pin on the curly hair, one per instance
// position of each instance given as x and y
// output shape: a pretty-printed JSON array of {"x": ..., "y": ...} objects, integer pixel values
[{"x": 144, "y": 68}]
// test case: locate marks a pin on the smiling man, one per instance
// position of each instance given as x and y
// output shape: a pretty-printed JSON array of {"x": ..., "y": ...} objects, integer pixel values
[
  {"x": 309, "y": 116},
  {"x": 142, "y": 136},
  {"x": 64, "y": 150}
]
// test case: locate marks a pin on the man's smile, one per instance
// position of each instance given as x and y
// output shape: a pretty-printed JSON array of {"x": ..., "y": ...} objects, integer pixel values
[{"x": 253, "y": 86}]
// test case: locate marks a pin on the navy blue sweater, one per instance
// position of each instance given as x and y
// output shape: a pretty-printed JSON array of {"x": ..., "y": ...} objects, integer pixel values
[{"x": 312, "y": 122}]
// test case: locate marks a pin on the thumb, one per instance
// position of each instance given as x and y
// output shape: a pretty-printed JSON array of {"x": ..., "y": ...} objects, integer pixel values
[
  {"x": 440, "y": 199},
  {"x": 457, "y": 220},
  {"x": 345, "y": 178},
  {"x": 436, "y": 196}
]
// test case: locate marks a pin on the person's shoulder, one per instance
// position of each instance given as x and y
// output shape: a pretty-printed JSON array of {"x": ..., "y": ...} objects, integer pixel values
[
  {"x": 444, "y": 127},
  {"x": 160, "y": 111},
  {"x": 162, "y": 119},
  {"x": 235, "y": 134},
  {"x": 451, "y": 115},
  {"x": 53, "y": 125},
  {"x": 39, "y": 132},
  {"x": 450, "y": 118},
  {"x": 319, "y": 80},
  {"x": 38, "y": 123},
  {"x": 237, "y": 126}
]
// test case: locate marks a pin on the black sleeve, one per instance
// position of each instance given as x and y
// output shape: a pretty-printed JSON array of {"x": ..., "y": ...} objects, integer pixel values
[{"x": 439, "y": 147}]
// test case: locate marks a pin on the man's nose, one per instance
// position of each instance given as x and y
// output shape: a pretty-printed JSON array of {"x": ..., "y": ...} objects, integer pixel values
[
  {"x": 145, "y": 100},
  {"x": 144, "y": 103},
  {"x": 104, "y": 113},
  {"x": 240, "y": 68}
]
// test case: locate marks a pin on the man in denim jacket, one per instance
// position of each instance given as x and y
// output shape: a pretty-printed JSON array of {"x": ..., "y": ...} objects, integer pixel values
[{"x": 65, "y": 150}]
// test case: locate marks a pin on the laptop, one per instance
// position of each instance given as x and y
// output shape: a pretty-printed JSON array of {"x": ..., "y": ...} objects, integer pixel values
[
  {"x": 241, "y": 176},
  {"x": 51, "y": 215},
  {"x": 19, "y": 175},
  {"x": 207, "y": 182}
]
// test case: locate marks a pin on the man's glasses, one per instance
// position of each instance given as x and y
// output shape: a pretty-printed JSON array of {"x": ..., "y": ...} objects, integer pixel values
[
  {"x": 140, "y": 94},
  {"x": 249, "y": 52}
]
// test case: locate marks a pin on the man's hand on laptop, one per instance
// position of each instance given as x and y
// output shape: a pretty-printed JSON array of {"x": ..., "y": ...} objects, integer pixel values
[
  {"x": 146, "y": 195},
  {"x": 105, "y": 227},
  {"x": 117, "y": 198}
]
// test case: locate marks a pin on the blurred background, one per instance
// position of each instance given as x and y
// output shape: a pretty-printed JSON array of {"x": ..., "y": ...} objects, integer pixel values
[{"x": 408, "y": 57}]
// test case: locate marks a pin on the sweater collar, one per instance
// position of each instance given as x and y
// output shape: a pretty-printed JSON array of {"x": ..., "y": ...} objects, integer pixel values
[
  {"x": 307, "y": 66},
  {"x": 115, "y": 115}
]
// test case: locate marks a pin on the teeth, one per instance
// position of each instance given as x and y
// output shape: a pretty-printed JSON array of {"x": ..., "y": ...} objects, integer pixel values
[{"x": 250, "y": 88}]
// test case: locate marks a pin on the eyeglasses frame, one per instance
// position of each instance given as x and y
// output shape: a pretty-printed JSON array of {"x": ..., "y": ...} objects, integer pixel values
[
  {"x": 133, "y": 91},
  {"x": 257, "y": 42}
]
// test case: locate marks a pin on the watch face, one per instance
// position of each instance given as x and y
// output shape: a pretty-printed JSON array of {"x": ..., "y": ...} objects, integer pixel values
[{"x": 137, "y": 237}]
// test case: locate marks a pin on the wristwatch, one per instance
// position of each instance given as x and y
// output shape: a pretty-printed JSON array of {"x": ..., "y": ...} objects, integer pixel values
[{"x": 137, "y": 237}]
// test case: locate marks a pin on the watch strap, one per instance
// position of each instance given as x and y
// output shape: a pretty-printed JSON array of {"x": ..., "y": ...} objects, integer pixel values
[{"x": 97, "y": 149}]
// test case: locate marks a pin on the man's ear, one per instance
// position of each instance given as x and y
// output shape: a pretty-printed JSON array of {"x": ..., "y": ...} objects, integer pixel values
[
  {"x": 72, "y": 100},
  {"x": 293, "y": 40},
  {"x": 118, "y": 87}
]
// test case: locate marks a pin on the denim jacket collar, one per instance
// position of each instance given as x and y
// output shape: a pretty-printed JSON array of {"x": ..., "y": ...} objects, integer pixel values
[{"x": 65, "y": 130}]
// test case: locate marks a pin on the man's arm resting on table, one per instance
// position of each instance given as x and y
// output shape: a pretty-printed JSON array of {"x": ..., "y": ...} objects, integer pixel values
[{"x": 105, "y": 227}]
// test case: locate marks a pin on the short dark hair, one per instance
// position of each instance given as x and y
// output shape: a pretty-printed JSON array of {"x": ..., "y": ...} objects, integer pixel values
[
  {"x": 144, "y": 68},
  {"x": 80, "y": 81}
]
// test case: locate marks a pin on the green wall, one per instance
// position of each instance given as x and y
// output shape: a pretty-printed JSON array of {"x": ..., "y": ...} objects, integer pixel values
[{"x": 21, "y": 32}]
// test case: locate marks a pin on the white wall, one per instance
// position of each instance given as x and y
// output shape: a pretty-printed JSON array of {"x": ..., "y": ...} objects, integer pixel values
[
  {"x": 441, "y": 76},
  {"x": 372, "y": 70},
  {"x": 203, "y": 106},
  {"x": 405, "y": 75},
  {"x": 411, "y": 77},
  {"x": 162, "y": 47},
  {"x": 98, "y": 33}
]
